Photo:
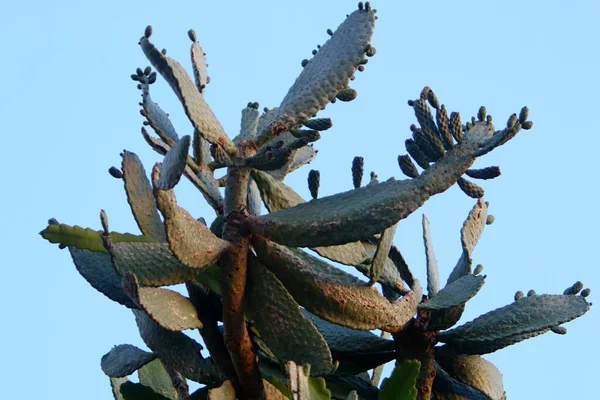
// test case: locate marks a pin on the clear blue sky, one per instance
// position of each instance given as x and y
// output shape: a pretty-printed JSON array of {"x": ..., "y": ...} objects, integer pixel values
[{"x": 68, "y": 107}]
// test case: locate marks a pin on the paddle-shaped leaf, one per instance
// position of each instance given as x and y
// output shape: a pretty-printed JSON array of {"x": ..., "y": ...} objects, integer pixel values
[
  {"x": 174, "y": 164},
  {"x": 86, "y": 238},
  {"x": 381, "y": 254},
  {"x": 169, "y": 309},
  {"x": 152, "y": 263},
  {"x": 433, "y": 274},
  {"x": 141, "y": 198},
  {"x": 401, "y": 385},
  {"x": 455, "y": 294},
  {"x": 514, "y": 322},
  {"x": 281, "y": 324},
  {"x": 474, "y": 371},
  {"x": 155, "y": 376},
  {"x": 360, "y": 213},
  {"x": 331, "y": 293},
  {"x": 98, "y": 270},
  {"x": 124, "y": 360},
  {"x": 198, "y": 63},
  {"x": 447, "y": 388},
  {"x": 177, "y": 351},
  {"x": 190, "y": 240},
  {"x": 157, "y": 118},
  {"x": 196, "y": 108}
]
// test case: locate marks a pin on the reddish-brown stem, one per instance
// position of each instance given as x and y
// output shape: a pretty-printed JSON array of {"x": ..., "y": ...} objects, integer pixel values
[{"x": 233, "y": 282}]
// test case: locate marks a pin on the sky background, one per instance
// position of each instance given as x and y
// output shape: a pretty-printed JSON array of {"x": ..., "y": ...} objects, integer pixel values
[{"x": 68, "y": 108}]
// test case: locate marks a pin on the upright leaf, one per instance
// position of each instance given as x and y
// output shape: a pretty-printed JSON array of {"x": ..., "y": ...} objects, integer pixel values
[
  {"x": 381, "y": 254},
  {"x": 455, "y": 294},
  {"x": 433, "y": 274},
  {"x": 174, "y": 164},
  {"x": 155, "y": 376},
  {"x": 124, "y": 360},
  {"x": 401, "y": 385}
]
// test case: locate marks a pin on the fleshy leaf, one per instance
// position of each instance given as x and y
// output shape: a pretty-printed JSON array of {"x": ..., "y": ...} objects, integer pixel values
[
  {"x": 177, "y": 351},
  {"x": 381, "y": 254},
  {"x": 360, "y": 213},
  {"x": 249, "y": 124},
  {"x": 433, "y": 274},
  {"x": 253, "y": 198},
  {"x": 341, "y": 386},
  {"x": 447, "y": 388},
  {"x": 152, "y": 263},
  {"x": 455, "y": 294},
  {"x": 115, "y": 384},
  {"x": 174, "y": 164},
  {"x": 137, "y": 391},
  {"x": 169, "y": 309},
  {"x": 281, "y": 324},
  {"x": 141, "y": 198},
  {"x": 200, "y": 66},
  {"x": 509, "y": 324},
  {"x": 86, "y": 238},
  {"x": 401, "y": 385},
  {"x": 472, "y": 370},
  {"x": 331, "y": 293},
  {"x": 98, "y": 270},
  {"x": 196, "y": 108},
  {"x": 155, "y": 376},
  {"x": 124, "y": 360},
  {"x": 190, "y": 240},
  {"x": 157, "y": 118}
]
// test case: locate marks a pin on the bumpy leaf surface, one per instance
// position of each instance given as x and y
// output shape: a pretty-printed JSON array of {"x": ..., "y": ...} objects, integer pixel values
[
  {"x": 455, "y": 294},
  {"x": 140, "y": 197},
  {"x": 190, "y": 240},
  {"x": 174, "y": 164},
  {"x": 169, "y": 309},
  {"x": 514, "y": 322},
  {"x": 158, "y": 119},
  {"x": 331, "y": 293},
  {"x": 360, "y": 213},
  {"x": 98, "y": 270},
  {"x": 433, "y": 274},
  {"x": 155, "y": 376},
  {"x": 381, "y": 254},
  {"x": 124, "y": 360},
  {"x": 281, "y": 324},
  {"x": 196, "y": 108},
  {"x": 199, "y": 65},
  {"x": 401, "y": 385}
]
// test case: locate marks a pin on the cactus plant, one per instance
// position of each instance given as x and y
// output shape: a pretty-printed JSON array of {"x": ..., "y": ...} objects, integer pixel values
[{"x": 293, "y": 324}]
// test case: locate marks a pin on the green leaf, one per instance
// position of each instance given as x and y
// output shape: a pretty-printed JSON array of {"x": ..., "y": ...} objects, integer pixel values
[
  {"x": 331, "y": 293},
  {"x": 401, "y": 385},
  {"x": 447, "y": 388},
  {"x": 158, "y": 119},
  {"x": 124, "y": 360},
  {"x": 520, "y": 320},
  {"x": 281, "y": 324},
  {"x": 433, "y": 274},
  {"x": 115, "y": 384},
  {"x": 472, "y": 370},
  {"x": 169, "y": 309},
  {"x": 390, "y": 277},
  {"x": 177, "y": 351},
  {"x": 86, "y": 239},
  {"x": 173, "y": 164},
  {"x": 253, "y": 198},
  {"x": 137, "y": 391},
  {"x": 211, "y": 278},
  {"x": 190, "y": 240},
  {"x": 97, "y": 269},
  {"x": 141, "y": 198},
  {"x": 155, "y": 376},
  {"x": 196, "y": 108},
  {"x": 336, "y": 219},
  {"x": 455, "y": 294},
  {"x": 152, "y": 263},
  {"x": 317, "y": 387},
  {"x": 381, "y": 254},
  {"x": 342, "y": 386},
  {"x": 199, "y": 65},
  {"x": 249, "y": 124}
]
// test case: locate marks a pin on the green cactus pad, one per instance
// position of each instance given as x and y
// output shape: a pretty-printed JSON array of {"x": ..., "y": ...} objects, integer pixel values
[
  {"x": 401, "y": 385},
  {"x": 155, "y": 376},
  {"x": 86, "y": 238},
  {"x": 444, "y": 127},
  {"x": 380, "y": 257},
  {"x": 334, "y": 219},
  {"x": 200, "y": 66},
  {"x": 196, "y": 108},
  {"x": 433, "y": 274},
  {"x": 484, "y": 173},
  {"x": 167, "y": 308},
  {"x": 447, "y": 388},
  {"x": 177, "y": 351},
  {"x": 407, "y": 167},
  {"x": 191, "y": 241},
  {"x": 402, "y": 267},
  {"x": 333, "y": 294},
  {"x": 470, "y": 189},
  {"x": 346, "y": 94},
  {"x": 152, "y": 263},
  {"x": 249, "y": 125},
  {"x": 281, "y": 324},
  {"x": 509, "y": 324},
  {"x": 329, "y": 71},
  {"x": 200, "y": 149},
  {"x": 97, "y": 269},
  {"x": 124, "y": 360},
  {"x": 140, "y": 197},
  {"x": 455, "y": 294},
  {"x": 173, "y": 164},
  {"x": 390, "y": 278},
  {"x": 253, "y": 199},
  {"x": 275, "y": 194},
  {"x": 137, "y": 391},
  {"x": 157, "y": 118},
  {"x": 318, "y": 124}
]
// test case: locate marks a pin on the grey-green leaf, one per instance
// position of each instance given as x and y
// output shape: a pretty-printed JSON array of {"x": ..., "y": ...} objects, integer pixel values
[
  {"x": 380, "y": 257},
  {"x": 140, "y": 197},
  {"x": 124, "y": 360},
  {"x": 155, "y": 376},
  {"x": 174, "y": 164},
  {"x": 281, "y": 324},
  {"x": 455, "y": 294},
  {"x": 433, "y": 274}
]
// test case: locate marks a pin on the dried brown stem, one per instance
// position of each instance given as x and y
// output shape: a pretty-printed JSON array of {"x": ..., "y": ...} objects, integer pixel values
[{"x": 233, "y": 282}]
